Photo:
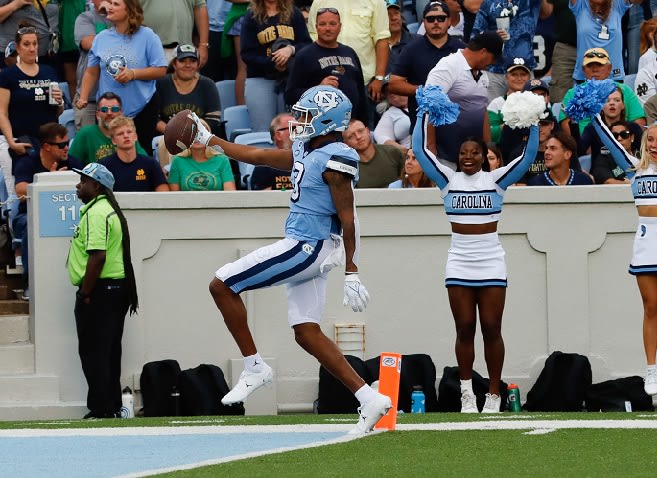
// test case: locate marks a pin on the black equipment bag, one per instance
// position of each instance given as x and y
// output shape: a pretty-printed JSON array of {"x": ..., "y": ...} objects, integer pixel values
[
  {"x": 334, "y": 397},
  {"x": 157, "y": 382},
  {"x": 562, "y": 384},
  {"x": 449, "y": 391},
  {"x": 610, "y": 396},
  {"x": 416, "y": 369},
  {"x": 201, "y": 391}
]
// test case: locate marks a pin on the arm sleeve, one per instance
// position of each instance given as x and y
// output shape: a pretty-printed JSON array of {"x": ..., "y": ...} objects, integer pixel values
[
  {"x": 644, "y": 86},
  {"x": 301, "y": 35},
  {"x": 437, "y": 172},
  {"x": 249, "y": 43},
  {"x": 174, "y": 172},
  {"x": 385, "y": 128},
  {"x": 512, "y": 172},
  {"x": 623, "y": 159},
  {"x": 495, "y": 120}
]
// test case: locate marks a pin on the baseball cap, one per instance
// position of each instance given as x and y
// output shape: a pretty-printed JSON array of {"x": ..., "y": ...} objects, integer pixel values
[
  {"x": 433, "y": 5},
  {"x": 517, "y": 63},
  {"x": 595, "y": 55},
  {"x": 10, "y": 50},
  {"x": 548, "y": 115},
  {"x": 393, "y": 3},
  {"x": 536, "y": 84},
  {"x": 98, "y": 173},
  {"x": 489, "y": 40},
  {"x": 186, "y": 51}
]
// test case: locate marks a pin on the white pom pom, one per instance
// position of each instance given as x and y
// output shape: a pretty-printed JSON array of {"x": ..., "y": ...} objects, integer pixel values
[{"x": 523, "y": 109}]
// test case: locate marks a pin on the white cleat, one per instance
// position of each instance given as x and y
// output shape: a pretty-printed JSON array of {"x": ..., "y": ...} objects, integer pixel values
[
  {"x": 248, "y": 383},
  {"x": 468, "y": 402},
  {"x": 371, "y": 413},
  {"x": 650, "y": 382},
  {"x": 492, "y": 404}
]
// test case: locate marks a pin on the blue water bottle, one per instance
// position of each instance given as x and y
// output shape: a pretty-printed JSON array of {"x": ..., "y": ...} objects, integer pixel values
[{"x": 417, "y": 399}]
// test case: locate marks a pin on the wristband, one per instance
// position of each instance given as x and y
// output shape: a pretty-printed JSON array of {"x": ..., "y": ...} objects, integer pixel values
[{"x": 380, "y": 77}]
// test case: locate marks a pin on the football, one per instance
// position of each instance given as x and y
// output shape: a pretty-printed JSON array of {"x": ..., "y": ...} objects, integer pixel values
[{"x": 180, "y": 132}]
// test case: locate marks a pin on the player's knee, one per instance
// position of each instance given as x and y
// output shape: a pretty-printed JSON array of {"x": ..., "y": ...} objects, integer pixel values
[
  {"x": 217, "y": 288},
  {"x": 304, "y": 334}
]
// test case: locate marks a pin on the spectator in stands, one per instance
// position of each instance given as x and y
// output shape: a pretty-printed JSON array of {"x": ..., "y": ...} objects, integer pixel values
[
  {"x": 267, "y": 178},
  {"x": 517, "y": 75},
  {"x": 648, "y": 43},
  {"x": 597, "y": 65},
  {"x": 217, "y": 67},
  {"x": 100, "y": 266},
  {"x": 399, "y": 34},
  {"x": 366, "y": 31},
  {"x": 517, "y": 38},
  {"x": 394, "y": 127},
  {"x": 603, "y": 167},
  {"x": 380, "y": 164},
  {"x": 69, "y": 53},
  {"x": 185, "y": 88},
  {"x": 200, "y": 168},
  {"x": 127, "y": 59},
  {"x": 51, "y": 156},
  {"x": 24, "y": 97},
  {"x": 559, "y": 150},
  {"x": 132, "y": 171},
  {"x": 564, "y": 54},
  {"x": 327, "y": 62},
  {"x": 87, "y": 25},
  {"x": 412, "y": 176},
  {"x": 94, "y": 142},
  {"x": 461, "y": 77},
  {"x": 645, "y": 83},
  {"x": 16, "y": 12},
  {"x": 413, "y": 65},
  {"x": 494, "y": 156},
  {"x": 545, "y": 130},
  {"x": 612, "y": 112},
  {"x": 231, "y": 45},
  {"x": 599, "y": 27},
  {"x": 272, "y": 33},
  {"x": 175, "y": 21}
]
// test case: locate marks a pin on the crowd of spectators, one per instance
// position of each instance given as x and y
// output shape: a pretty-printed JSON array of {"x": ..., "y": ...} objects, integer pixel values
[{"x": 146, "y": 60}]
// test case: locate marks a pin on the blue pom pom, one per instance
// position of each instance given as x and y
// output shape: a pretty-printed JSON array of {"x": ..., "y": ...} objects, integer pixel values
[
  {"x": 437, "y": 104},
  {"x": 589, "y": 98}
]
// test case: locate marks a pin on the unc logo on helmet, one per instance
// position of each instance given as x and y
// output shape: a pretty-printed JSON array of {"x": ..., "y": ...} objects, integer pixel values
[{"x": 319, "y": 111}]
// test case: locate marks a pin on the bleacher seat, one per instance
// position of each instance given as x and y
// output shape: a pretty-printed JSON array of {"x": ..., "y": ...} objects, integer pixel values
[
  {"x": 413, "y": 27},
  {"x": 68, "y": 101},
  {"x": 585, "y": 162},
  {"x": 226, "y": 90},
  {"x": 629, "y": 81},
  {"x": 67, "y": 118},
  {"x": 237, "y": 121},
  {"x": 259, "y": 139}
]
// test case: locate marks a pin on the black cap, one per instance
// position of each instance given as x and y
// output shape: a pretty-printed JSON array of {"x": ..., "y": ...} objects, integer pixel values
[
  {"x": 489, "y": 40},
  {"x": 433, "y": 5}
]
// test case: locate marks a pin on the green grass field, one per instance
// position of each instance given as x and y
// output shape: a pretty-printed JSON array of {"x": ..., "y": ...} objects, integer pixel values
[{"x": 576, "y": 451}]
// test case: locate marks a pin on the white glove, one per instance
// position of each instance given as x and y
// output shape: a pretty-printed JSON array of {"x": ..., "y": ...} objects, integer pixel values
[
  {"x": 202, "y": 134},
  {"x": 355, "y": 293}
]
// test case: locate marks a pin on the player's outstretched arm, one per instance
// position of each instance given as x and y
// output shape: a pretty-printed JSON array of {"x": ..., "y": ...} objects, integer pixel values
[{"x": 186, "y": 128}]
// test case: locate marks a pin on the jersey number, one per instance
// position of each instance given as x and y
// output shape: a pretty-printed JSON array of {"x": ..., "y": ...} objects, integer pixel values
[{"x": 297, "y": 175}]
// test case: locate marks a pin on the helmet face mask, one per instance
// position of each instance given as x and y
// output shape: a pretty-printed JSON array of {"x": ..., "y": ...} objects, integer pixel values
[{"x": 319, "y": 111}]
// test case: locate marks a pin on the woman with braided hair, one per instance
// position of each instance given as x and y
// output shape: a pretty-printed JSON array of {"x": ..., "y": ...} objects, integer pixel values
[{"x": 99, "y": 264}]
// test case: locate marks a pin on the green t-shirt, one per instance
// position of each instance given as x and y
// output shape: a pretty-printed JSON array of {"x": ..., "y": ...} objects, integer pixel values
[
  {"x": 90, "y": 145},
  {"x": 68, "y": 12},
  {"x": 210, "y": 175},
  {"x": 99, "y": 230},
  {"x": 633, "y": 108},
  {"x": 383, "y": 169}
]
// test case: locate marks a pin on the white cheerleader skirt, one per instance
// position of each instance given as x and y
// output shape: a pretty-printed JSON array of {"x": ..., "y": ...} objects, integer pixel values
[
  {"x": 475, "y": 260},
  {"x": 644, "y": 252}
]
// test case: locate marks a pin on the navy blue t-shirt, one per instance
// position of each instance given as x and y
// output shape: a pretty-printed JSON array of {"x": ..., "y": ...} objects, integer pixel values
[
  {"x": 576, "y": 179},
  {"x": 416, "y": 61},
  {"x": 144, "y": 174}
]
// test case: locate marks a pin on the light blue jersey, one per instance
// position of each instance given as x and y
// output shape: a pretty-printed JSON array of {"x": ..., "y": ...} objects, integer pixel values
[{"x": 312, "y": 212}]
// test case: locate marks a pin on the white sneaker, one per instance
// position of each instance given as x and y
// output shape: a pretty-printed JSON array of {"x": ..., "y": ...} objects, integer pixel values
[
  {"x": 492, "y": 404},
  {"x": 248, "y": 383},
  {"x": 650, "y": 382},
  {"x": 468, "y": 402},
  {"x": 371, "y": 413}
]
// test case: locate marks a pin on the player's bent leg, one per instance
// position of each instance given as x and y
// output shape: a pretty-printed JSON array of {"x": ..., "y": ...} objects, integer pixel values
[{"x": 234, "y": 313}]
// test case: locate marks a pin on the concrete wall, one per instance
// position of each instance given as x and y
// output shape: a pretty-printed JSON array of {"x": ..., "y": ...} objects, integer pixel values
[{"x": 567, "y": 256}]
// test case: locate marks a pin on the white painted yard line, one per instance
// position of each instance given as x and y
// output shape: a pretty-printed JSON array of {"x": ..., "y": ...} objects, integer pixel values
[{"x": 488, "y": 424}]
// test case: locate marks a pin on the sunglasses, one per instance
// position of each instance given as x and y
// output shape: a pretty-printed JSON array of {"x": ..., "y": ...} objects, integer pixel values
[
  {"x": 435, "y": 18},
  {"x": 107, "y": 109},
  {"x": 60, "y": 145},
  {"x": 328, "y": 9},
  {"x": 26, "y": 30},
  {"x": 622, "y": 134},
  {"x": 595, "y": 54}
]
